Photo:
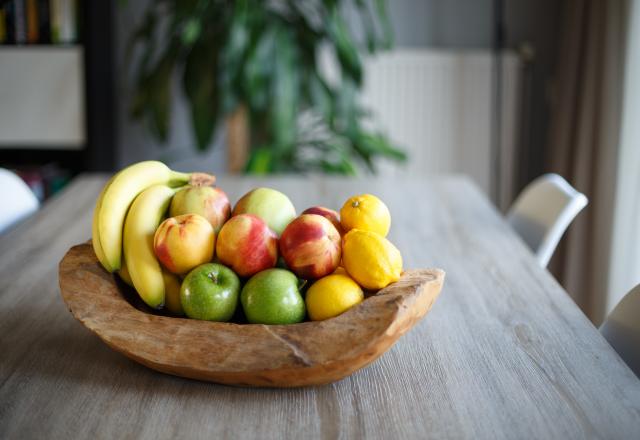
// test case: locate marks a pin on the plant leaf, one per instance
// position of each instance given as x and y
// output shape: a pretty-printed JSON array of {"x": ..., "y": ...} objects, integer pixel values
[
  {"x": 264, "y": 55},
  {"x": 345, "y": 47},
  {"x": 368, "y": 23},
  {"x": 191, "y": 31},
  {"x": 201, "y": 87},
  {"x": 144, "y": 33},
  {"x": 159, "y": 94},
  {"x": 260, "y": 161},
  {"x": 385, "y": 23},
  {"x": 379, "y": 145},
  {"x": 285, "y": 91},
  {"x": 321, "y": 95},
  {"x": 258, "y": 70},
  {"x": 238, "y": 37}
]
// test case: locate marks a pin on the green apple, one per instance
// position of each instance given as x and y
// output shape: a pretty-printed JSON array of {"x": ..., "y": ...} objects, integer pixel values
[
  {"x": 270, "y": 205},
  {"x": 210, "y": 292},
  {"x": 272, "y": 297}
]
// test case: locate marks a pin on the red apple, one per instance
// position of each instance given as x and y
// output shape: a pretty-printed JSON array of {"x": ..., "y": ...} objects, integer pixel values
[
  {"x": 210, "y": 202},
  {"x": 327, "y": 213},
  {"x": 184, "y": 242},
  {"x": 310, "y": 246},
  {"x": 247, "y": 245}
]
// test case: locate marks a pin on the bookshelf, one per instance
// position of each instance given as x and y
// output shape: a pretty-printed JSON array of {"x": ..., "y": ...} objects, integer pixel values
[{"x": 57, "y": 108}]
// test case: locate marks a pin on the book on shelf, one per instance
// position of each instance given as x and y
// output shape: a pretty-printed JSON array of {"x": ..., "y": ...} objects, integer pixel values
[
  {"x": 63, "y": 21},
  {"x": 39, "y": 21},
  {"x": 3, "y": 25},
  {"x": 15, "y": 22},
  {"x": 33, "y": 29}
]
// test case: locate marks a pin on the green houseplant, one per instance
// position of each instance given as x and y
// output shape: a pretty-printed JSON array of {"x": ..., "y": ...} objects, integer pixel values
[{"x": 263, "y": 57}]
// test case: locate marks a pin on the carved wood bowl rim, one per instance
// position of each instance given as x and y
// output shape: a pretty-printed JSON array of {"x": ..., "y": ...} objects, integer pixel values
[{"x": 308, "y": 353}]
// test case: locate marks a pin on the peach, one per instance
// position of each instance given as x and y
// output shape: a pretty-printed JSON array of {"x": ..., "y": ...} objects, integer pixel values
[
  {"x": 247, "y": 245},
  {"x": 210, "y": 202},
  {"x": 311, "y": 246},
  {"x": 184, "y": 242},
  {"x": 327, "y": 213}
]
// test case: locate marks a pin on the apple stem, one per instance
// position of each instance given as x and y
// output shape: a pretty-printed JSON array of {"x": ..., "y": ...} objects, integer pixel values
[
  {"x": 355, "y": 204},
  {"x": 202, "y": 179},
  {"x": 213, "y": 278}
]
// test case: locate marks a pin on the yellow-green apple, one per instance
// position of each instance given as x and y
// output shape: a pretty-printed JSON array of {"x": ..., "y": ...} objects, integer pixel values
[
  {"x": 210, "y": 202},
  {"x": 311, "y": 246},
  {"x": 273, "y": 297},
  {"x": 270, "y": 205},
  {"x": 247, "y": 245},
  {"x": 327, "y": 213},
  {"x": 184, "y": 242}
]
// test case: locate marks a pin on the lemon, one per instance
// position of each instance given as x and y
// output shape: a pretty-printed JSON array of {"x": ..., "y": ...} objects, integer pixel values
[
  {"x": 365, "y": 212},
  {"x": 332, "y": 295},
  {"x": 370, "y": 259}
]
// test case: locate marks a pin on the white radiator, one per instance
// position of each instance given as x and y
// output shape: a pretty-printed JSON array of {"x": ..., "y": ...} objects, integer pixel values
[{"x": 437, "y": 105}]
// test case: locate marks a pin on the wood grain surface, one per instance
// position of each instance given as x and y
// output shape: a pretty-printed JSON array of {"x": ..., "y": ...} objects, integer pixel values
[
  {"x": 309, "y": 353},
  {"x": 504, "y": 353}
]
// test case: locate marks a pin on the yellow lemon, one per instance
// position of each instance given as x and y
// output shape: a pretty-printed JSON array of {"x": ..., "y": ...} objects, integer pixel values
[
  {"x": 365, "y": 212},
  {"x": 332, "y": 295},
  {"x": 370, "y": 259}
]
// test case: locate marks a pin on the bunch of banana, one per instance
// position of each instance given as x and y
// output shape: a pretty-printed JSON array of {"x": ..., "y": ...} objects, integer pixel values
[{"x": 128, "y": 211}]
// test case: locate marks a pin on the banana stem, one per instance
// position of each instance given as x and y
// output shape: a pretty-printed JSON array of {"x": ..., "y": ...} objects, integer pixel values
[
  {"x": 178, "y": 178},
  {"x": 193, "y": 179}
]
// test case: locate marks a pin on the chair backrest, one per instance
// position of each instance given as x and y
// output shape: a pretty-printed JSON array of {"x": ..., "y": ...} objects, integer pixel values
[
  {"x": 543, "y": 211},
  {"x": 17, "y": 199},
  {"x": 622, "y": 329}
]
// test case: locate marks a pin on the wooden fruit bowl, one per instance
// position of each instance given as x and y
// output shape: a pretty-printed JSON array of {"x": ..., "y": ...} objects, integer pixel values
[{"x": 309, "y": 353}]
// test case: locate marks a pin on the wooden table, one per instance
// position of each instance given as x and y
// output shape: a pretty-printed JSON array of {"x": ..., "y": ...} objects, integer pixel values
[{"x": 505, "y": 353}]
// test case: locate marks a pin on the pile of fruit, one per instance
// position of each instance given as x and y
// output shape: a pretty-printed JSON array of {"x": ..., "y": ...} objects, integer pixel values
[{"x": 258, "y": 262}]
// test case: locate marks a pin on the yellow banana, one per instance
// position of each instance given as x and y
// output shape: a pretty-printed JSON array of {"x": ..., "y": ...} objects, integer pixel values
[
  {"x": 142, "y": 220},
  {"x": 123, "y": 273},
  {"x": 95, "y": 236},
  {"x": 172, "y": 286},
  {"x": 111, "y": 209}
]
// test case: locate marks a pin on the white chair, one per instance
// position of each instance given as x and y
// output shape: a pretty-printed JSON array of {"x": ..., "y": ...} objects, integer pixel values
[
  {"x": 543, "y": 211},
  {"x": 17, "y": 201},
  {"x": 622, "y": 329}
]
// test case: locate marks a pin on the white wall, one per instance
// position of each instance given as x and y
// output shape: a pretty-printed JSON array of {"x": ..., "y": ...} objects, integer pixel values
[
  {"x": 437, "y": 104},
  {"x": 625, "y": 251}
]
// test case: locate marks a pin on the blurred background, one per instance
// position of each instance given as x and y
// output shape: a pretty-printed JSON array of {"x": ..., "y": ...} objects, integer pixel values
[{"x": 501, "y": 91}]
